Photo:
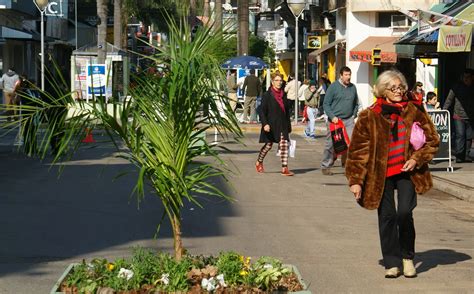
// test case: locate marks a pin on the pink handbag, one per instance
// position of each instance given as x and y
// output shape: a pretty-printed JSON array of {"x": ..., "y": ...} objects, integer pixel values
[{"x": 417, "y": 137}]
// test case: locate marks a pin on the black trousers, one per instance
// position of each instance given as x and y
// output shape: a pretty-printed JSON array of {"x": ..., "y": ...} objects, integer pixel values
[{"x": 396, "y": 227}]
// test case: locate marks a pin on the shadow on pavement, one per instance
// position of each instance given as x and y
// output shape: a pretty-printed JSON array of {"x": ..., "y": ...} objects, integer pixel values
[
  {"x": 432, "y": 258},
  {"x": 86, "y": 210}
]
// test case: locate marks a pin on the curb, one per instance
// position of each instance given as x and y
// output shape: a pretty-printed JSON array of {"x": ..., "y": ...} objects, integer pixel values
[{"x": 455, "y": 189}]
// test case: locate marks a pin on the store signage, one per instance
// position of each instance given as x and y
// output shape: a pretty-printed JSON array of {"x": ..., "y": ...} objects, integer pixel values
[
  {"x": 455, "y": 39},
  {"x": 56, "y": 8}
]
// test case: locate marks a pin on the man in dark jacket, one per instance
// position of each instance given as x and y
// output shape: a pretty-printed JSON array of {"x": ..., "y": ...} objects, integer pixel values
[
  {"x": 462, "y": 96},
  {"x": 251, "y": 88}
]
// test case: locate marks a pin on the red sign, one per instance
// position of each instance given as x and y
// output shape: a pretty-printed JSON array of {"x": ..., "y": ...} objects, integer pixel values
[{"x": 366, "y": 56}]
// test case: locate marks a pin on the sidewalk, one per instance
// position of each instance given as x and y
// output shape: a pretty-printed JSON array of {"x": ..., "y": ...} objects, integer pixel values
[{"x": 459, "y": 183}]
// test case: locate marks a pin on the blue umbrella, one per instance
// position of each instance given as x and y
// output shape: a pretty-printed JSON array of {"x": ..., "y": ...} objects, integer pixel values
[{"x": 245, "y": 62}]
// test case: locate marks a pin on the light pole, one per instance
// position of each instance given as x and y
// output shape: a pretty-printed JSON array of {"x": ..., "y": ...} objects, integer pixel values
[
  {"x": 41, "y": 5},
  {"x": 296, "y": 7}
]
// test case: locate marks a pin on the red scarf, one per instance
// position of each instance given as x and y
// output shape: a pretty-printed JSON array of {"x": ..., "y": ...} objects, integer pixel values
[
  {"x": 398, "y": 133},
  {"x": 278, "y": 94}
]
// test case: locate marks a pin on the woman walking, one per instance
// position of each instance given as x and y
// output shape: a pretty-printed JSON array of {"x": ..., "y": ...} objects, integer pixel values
[
  {"x": 382, "y": 160},
  {"x": 276, "y": 125}
]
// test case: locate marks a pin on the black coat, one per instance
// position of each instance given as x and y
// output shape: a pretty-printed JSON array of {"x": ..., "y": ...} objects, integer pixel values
[{"x": 272, "y": 114}]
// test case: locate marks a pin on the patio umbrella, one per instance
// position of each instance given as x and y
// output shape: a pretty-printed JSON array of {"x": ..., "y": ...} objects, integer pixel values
[{"x": 245, "y": 62}]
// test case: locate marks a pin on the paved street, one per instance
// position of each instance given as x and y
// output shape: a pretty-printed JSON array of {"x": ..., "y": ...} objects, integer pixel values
[{"x": 308, "y": 220}]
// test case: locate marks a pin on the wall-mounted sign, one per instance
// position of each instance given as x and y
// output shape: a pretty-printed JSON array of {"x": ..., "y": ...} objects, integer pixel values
[
  {"x": 56, "y": 8},
  {"x": 314, "y": 42},
  {"x": 96, "y": 80}
]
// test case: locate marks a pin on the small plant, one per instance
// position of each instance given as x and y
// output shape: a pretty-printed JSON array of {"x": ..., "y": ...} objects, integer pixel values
[{"x": 147, "y": 271}]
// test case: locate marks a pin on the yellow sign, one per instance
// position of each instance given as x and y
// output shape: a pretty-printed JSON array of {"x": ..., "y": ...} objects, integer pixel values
[
  {"x": 376, "y": 56},
  {"x": 455, "y": 39},
  {"x": 314, "y": 42}
]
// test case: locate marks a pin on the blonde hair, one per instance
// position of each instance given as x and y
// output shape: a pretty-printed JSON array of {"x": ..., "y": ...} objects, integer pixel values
[
  {"x": 275, "y": 74},
  {"x": 384, "y": 80}
]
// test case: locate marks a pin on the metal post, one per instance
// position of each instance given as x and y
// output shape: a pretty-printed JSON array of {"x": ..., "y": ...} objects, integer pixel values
[
  {"x": 42, "y": 50},
  {"x": 296, "y": 68},
  {"x": 75, "y": 18}
]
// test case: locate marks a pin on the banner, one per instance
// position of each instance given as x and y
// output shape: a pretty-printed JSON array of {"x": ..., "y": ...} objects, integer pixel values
[
  {"x": 429, "y": 21},
  {"x": 455, "y": 39}
]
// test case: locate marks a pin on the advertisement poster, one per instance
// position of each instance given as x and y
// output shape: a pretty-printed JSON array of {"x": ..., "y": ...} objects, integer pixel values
[{"x": 96, "y": 80}]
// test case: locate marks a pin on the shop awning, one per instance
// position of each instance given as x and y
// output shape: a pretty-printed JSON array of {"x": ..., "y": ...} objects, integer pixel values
[
  {"x": 312, "y": 56},
  {"x": 10, "y": 33},
  {"x": 363, "y": 51}
]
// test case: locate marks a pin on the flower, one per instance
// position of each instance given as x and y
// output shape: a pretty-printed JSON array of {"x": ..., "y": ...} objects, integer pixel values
[
  {"x": 165, "y": 279},
  {"x": 268, "y": 266},
  {"x": 220, "y": 278},
  {"x": 209, "y": 284},
  {"x": 125, "y": 273},
  {"x": 243, "y": 273},
  {"x": 110, "y": 266}
]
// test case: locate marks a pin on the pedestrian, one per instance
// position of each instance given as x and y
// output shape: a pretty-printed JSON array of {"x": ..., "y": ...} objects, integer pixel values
[
  {"x": 232, "y": 89},
  {"x": 291, "y": 90},
  {"x": 251, "y": 88},
  {"x": 381, "y": 160},
  {"x": 323, "y": 86},
  {"x": 418, "y": 91},
  {"x": 431, "y": 101},
  {"x": 11, "y": 80},
  {"x": 311, "y": 96},
  {"x": 341, "y": 103},
  {"x": 301, "y": 99},
  {"x": 28, "y": 96},
  {"x": 461, "y": 97},
  {"x": 276, "y": 125}
]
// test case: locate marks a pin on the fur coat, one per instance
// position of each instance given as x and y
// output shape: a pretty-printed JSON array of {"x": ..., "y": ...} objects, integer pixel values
[{"x": 366, "y": 163}]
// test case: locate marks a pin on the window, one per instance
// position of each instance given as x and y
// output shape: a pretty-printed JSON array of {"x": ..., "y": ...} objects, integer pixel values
[{"x": 391, "y": 19}]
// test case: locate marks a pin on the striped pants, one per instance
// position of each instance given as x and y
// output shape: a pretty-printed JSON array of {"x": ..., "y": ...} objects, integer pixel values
[{"x": 283, "y": 147}]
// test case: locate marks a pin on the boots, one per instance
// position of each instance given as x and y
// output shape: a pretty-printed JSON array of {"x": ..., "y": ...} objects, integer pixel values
[{"x": 409, "y": 270}]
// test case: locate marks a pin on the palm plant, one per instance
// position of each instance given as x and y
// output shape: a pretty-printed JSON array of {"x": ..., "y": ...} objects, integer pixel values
[{"x": 162, "y": 126}]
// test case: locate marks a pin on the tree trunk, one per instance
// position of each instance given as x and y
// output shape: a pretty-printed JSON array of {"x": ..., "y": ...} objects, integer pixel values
[
  {"x": 178, "y": 243},
  {"x": 218, "y": 15},
  {"x": 206, "y": 9},
  {"x": 192, "y": 13},
  {"x": 102, "y": 31},
  {"x": 243, "y": 27},
  {"x": 118, "y": 23}
]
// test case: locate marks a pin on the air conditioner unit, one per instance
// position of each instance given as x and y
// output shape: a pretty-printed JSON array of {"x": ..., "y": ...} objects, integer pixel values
[{"x": 399, "y": 21}]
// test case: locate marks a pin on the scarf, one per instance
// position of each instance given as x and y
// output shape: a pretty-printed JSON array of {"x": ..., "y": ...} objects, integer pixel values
[
  {"x": 390, "y": 111},
  {"x": 278, "y": 94}
]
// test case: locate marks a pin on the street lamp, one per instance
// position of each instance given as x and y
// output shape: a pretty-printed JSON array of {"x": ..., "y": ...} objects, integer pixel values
[
  {"x": 41, "y": 5},
  {"x": 296, "y": 7}
]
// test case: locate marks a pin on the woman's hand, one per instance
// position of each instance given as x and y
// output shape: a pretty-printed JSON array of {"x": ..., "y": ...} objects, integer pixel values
[
  {"x": 357, "y": 191},
  {"x": 266, "y": 128},
  {"x": 409, "y": 165}
]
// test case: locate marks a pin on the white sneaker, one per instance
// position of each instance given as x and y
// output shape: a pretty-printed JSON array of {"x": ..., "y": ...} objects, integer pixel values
[
  {"x": 409, "y": 270},
  {"x": 392, "y": 273}
]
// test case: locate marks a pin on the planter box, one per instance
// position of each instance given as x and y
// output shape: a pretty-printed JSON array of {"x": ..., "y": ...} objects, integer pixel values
[{"x": 56, "y": 290}]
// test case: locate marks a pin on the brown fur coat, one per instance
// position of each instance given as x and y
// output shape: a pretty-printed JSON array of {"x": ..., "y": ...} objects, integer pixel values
[{"x": 366, "y": 163}]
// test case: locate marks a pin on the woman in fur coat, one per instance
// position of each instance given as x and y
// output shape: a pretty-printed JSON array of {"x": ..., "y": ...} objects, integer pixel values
[
  {"x": 276, "y": 125},
  {"x": 382, "y": 160}
]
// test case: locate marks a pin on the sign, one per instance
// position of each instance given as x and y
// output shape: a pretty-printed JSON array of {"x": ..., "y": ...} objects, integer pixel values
[
  {"x": 366, "y": 56},
  {"x": 96, "y": 80},
  {"x": 56, "y": 8},
  {"x": 314, "y": 42},
  {"x": 455, "y": 39},
  {"x": 281, "y": 41},
  {"x": 241, "y": 74},
  {"x": 442, "y": 124}
]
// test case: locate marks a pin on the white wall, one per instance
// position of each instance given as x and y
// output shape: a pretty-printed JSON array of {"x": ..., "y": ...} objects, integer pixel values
[
  {"x": 361, "y": 25},
  {"x": 426, "y": 74}
]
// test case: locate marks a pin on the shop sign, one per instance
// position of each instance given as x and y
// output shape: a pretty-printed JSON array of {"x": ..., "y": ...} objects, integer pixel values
[{"x": 455, "y": 39}]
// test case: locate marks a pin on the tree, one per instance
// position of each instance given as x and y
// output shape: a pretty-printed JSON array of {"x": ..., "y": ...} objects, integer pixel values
[
  {"x": 243, "y": 27},
  {"x": 160, "y": 130},
  {"x": 218, "y": 15},
  {"x": 101, "y": 31},
  {"x": 118, "y": 23}
]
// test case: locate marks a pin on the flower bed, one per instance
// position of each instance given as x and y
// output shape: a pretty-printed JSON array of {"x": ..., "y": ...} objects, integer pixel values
[{"x": 148, "y": 272}]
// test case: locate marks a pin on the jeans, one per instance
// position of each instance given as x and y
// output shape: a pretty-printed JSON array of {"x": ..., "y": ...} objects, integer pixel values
[
  {"x": 328, "y": 153},
  {"x": 312, "y": 114},
  {"x": 396, "y": 227},
  {"x": 464, "y": 134}
]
